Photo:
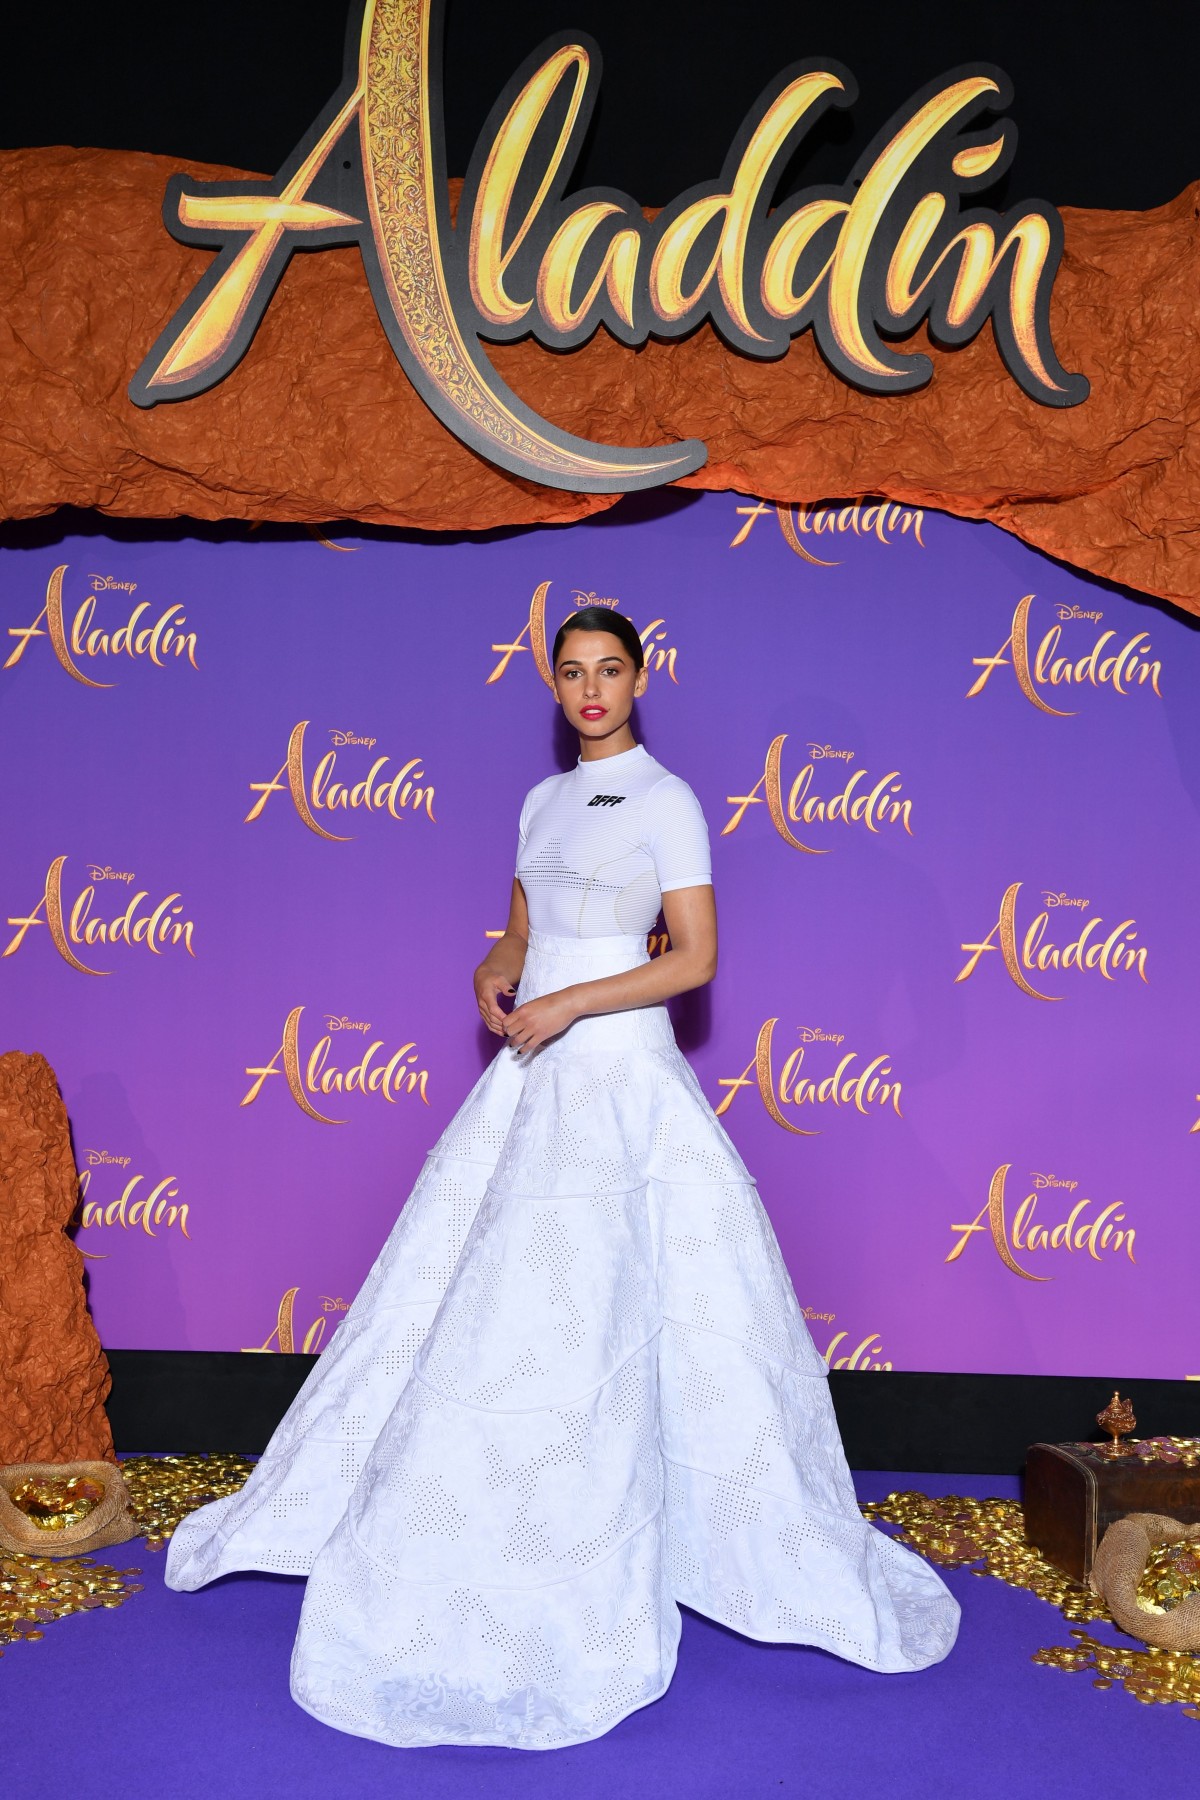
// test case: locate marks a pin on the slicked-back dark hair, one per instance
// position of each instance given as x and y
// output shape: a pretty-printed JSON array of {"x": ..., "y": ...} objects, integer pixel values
[{"x": 600, "y": 618}]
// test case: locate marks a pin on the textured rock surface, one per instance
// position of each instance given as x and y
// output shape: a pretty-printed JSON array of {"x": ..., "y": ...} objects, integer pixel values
[
  {"x": 53, "y": 1374},
  {"x": 318, "y": 423}
]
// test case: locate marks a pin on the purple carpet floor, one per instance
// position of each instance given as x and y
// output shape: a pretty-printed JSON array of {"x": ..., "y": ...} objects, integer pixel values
[{"x": 185, "y": 1696}]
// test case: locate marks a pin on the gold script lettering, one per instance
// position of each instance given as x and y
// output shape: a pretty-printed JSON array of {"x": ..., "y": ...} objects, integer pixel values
[
  {"x": 1120, "y": 670},
  {"x": 1107, "y": 1231},
  {"x": 854, "y": 803},
  {"x": 1110, "y": 955},
  {"x": 520, "y": 260}
]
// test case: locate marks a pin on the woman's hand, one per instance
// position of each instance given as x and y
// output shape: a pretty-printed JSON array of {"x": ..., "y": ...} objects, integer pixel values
[
  {"x": 531, "y": 1024},
  {"x": 488, "y": 988},
  {"x": 501, "y": 968}
]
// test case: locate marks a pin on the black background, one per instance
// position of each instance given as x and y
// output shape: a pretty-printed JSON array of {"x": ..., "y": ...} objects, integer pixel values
[
  {"x": 981, "y": 1424},
  {"x": 1106, "y": 101}
]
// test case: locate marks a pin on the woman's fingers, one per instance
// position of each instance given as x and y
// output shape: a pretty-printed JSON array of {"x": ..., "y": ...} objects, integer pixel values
[
  {"x": 522, "y": 1029},
  {"x": 521, "y": 1035},
  {"x": 490, "y": 1011}
]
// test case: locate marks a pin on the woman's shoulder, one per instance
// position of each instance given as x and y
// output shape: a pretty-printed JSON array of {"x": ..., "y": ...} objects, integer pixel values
[
  {"x": 545, "y": 789},
  {"x": 670, "y": 803},
  {"x": 664, "y": 785}
]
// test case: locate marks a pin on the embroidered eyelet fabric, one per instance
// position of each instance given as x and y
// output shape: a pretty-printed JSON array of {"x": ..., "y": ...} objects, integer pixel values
[{"x": 575, "y": 1391}]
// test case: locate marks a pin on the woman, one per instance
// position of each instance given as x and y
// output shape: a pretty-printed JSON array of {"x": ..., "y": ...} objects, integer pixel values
[{"x": 576, "y": 1388}]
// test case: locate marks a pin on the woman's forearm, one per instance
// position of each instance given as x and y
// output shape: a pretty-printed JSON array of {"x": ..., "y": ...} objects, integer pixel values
[
  {"x": 506, "y": 957},
  {"x": 674, "y": 972}
]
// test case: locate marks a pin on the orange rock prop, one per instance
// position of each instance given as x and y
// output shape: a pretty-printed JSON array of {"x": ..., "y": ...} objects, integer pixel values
[
  {"x": 54, "y": 1378},
  {"x": 319, "y": 423}
]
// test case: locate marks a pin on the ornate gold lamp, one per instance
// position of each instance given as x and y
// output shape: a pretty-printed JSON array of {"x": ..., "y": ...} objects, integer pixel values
[{"x": 1118, "y": 1420}]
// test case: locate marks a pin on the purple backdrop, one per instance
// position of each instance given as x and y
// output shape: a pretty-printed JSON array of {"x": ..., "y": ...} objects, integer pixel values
[{"x": 981, "y": 964}]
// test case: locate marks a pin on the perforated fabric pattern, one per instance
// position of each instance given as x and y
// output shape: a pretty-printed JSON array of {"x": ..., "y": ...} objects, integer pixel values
[
  {"x": 467, "y": 1664},
  {"x": 575, "y": 1390}
]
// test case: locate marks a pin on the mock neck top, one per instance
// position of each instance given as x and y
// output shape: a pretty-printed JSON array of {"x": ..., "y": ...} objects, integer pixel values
[
  {"x": 624, "y": 759},
  {"x": 600, "y": 845}
]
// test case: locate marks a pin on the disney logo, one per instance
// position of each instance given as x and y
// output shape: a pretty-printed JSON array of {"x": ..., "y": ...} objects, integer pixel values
[
  {"x": 103, "y": 583},
  {"x": 348, "y": 737},
  {"x": 809, "y": 1034},
  {"x": 1063, "y": 611},
  {"x": 345, "y": 1024},
  {"x": 585, "y": 597},
  {"x": 1063, "y": 900},
  {"x": 95, "y": 1157},
  {"x": 96, "y": 873},
  {"x": 824, "y": 752},
  {"x": 1053, "y": 1181}
]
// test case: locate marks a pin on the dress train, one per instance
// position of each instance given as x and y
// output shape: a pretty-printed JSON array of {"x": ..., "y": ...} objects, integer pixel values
[{"x": 575, "y": 1391}]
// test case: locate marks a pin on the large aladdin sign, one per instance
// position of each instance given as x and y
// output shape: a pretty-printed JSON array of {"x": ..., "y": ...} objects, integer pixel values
[{"x": 860, "y": 266}]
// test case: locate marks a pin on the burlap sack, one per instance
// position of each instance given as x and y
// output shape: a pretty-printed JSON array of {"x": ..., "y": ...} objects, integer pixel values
[
  {"x": 110, "y": 1521},
  {"x": 1122, "y": 1556}
]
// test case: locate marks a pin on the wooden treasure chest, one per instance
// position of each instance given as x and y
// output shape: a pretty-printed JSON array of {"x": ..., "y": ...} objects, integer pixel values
[{"x": 1074, "y": 1492}]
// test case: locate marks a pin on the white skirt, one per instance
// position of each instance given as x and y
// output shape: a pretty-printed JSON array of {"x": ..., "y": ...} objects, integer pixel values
[{"x": 575, "y": 1391}]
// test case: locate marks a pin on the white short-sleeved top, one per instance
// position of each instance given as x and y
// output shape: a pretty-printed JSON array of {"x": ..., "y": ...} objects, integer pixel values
[{"x": 601, "y": 845}]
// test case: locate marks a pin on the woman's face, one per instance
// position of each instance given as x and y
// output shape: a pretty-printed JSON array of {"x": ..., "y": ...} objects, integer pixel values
[{"x": 596, "y": 683}]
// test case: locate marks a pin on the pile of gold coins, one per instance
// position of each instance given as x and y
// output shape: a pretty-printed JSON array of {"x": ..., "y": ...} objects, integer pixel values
[
  {"x": 164, "y": 1489},
  {"x": 1152, "y": 1676},
  {"x": 36, "y": 1590},
  {"x": 958, "y": 1532},
  {"x": 988, "y": 1537},
  {"x": 1183, "y": 1451}
]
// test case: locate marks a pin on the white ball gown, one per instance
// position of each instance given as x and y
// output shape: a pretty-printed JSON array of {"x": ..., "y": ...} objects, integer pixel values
[{"x": 576, "y": 1390}]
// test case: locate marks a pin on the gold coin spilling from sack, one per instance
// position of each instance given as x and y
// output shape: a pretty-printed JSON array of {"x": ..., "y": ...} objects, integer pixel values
[{"x": 1171, "y": 1576}]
